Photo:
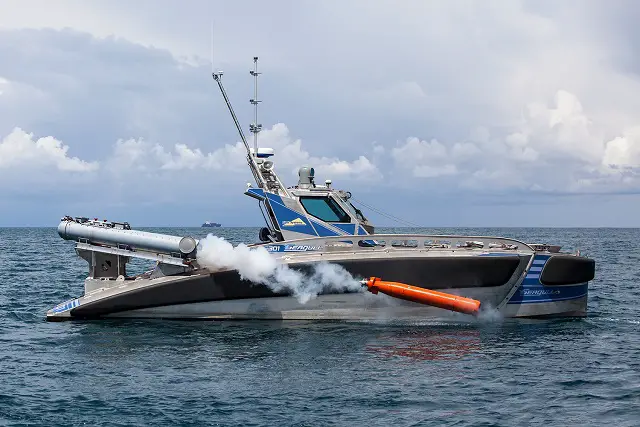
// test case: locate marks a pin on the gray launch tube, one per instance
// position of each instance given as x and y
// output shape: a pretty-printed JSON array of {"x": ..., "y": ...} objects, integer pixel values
[{"x": 70, "y": 230}]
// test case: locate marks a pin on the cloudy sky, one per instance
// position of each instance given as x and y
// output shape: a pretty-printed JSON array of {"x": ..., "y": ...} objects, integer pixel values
[{"x": 445, "y": 113}]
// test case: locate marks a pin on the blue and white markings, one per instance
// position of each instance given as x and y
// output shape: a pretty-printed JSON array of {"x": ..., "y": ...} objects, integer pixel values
[
  {"x": 533, "y": 291},
  {"x": 66, "y": 306},
  {"x": 536, "y": 268},
  {"x": 293, "y": 248}
]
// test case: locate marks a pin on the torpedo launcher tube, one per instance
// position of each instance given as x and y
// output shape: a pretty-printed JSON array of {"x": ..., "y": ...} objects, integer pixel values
[
  {"x": 121, "y": 234},
  {"x": 423, "y": 296}
]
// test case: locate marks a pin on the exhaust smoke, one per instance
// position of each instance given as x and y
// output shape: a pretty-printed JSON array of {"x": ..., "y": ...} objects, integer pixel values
[{"x": 258, "y": 266}]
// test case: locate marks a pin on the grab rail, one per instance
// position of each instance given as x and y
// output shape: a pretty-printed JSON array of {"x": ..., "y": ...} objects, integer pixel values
[{"x": 397, "y": 241}]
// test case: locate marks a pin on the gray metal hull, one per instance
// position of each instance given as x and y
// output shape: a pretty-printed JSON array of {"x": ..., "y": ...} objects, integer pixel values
[
  {"x": 504, "y": 283},
  {"x": 351, "y": 307}
]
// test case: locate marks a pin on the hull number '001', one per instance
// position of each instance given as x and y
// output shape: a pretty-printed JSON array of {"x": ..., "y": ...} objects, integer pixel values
[{"x": 292, "y": 248}]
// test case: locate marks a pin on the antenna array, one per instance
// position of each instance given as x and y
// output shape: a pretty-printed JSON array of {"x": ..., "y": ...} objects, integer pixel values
[{"x": 255, "y": 127}]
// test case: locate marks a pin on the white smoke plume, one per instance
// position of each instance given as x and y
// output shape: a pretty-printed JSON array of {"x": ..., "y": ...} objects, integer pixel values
[{"x": 258, "y": 266}]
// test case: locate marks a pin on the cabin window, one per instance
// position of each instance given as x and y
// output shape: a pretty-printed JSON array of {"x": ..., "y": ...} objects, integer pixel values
[{"x": 324, "y": 208}]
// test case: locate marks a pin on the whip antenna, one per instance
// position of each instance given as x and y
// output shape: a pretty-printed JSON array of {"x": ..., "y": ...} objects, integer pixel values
[{"x": 255, "y": 127}]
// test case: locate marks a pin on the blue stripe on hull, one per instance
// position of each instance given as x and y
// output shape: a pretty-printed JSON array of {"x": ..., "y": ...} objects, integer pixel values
[
  {"x": 530, "y": 293},
  {"x": 533, "y": 291},
  {"x": 66, "y": 306},
  {"x": 348, "y": 228}
]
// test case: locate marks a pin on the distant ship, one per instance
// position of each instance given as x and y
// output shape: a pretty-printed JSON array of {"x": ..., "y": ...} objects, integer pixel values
[{"x": 211, "y": 224}]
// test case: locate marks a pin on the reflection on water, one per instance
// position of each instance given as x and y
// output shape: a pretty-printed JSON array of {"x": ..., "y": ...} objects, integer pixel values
[{"x": 429, "y": 344}]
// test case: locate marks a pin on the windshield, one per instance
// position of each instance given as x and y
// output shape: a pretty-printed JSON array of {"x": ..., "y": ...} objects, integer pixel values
[{"x": 324, "y": 208}]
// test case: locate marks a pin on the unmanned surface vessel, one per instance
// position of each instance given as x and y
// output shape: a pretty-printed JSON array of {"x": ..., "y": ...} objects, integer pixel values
[{"x": 307, "y": 224}]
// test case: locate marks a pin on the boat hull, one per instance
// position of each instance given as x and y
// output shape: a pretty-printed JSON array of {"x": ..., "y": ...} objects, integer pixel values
[
  {"x": 350, "y": 307},
  {"x": 502, "y": 282}
]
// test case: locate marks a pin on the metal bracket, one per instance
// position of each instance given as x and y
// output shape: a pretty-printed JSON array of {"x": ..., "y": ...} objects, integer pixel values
[{"x": 165, "y": 259}]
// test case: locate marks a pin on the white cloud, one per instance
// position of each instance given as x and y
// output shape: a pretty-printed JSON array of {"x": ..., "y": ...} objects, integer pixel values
[
  {"x": 623, "y": 151},
  {"x": 228, "y": 158},
  {"x": 563, "y": 129},
  {"x": 556, "y": 147},
  {"x": 510, "y": 95},
  {"x": 141, "y": 155},
  {"x": 465, "y": 150},
  {"x": 290, "y": 154},
  {"x": 423, "y": 158},
  {"x": 151, "y": 160},
  {"x": 415, "y": 150},
  {"x": 21, "y": 149},
  {"x": 359, "y": 168}
]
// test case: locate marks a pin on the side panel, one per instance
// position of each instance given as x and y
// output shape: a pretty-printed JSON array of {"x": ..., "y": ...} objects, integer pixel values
[
  {"x": 348, "y": 228},
  {"x": 297, "y": 222},
  {"x": 434, "y": 273},
  {"x": 438, "y": 273},
  {"x": 533, "y": 291}
]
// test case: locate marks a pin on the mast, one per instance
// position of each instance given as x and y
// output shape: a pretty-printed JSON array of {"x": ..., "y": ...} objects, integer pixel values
[
  {"x": 251, "y": 159},
  {"x": 262, "y": 171},
  {"x": 255, "y": 127}
]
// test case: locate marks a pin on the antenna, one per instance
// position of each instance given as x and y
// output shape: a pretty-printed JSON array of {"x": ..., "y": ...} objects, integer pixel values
[
  {"x": 217, "y": 76},
  {"x": 212, "y": 67},
  {"x": 255, "y": 127}
]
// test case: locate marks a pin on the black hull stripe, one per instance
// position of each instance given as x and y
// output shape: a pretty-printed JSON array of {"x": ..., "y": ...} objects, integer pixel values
[{"x": 427, "y": 272}]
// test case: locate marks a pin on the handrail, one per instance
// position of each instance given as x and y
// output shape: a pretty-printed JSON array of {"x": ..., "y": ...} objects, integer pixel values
[{"x": 420, "y": 239}]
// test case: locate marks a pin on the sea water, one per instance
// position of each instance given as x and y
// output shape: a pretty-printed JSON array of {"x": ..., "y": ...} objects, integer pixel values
[{"x": 306, "y": 373}]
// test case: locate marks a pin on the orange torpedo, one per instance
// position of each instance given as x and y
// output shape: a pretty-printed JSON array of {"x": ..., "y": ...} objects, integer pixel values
[{"x": 423, "y": 296}]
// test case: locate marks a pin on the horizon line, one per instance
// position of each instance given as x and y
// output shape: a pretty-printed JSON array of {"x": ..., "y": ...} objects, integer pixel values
[{"x": 378, "y": 226}]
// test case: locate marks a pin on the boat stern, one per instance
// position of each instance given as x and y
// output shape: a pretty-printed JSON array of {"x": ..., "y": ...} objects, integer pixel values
[{"x": 555, "y": 285}]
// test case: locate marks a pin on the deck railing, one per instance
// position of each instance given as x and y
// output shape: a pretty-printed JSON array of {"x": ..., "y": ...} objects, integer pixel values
[{"x": 399, "y": 242}]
